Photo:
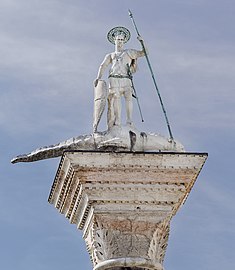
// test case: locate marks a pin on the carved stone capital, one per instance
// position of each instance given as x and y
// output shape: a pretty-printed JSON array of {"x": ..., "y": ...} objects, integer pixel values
[
  {"x": 124, "y": 202},
  {"x": 121, "y": 236}
]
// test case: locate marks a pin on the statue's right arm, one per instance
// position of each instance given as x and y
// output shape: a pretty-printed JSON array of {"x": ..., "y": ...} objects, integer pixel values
[{"x": 107, "y": 60}]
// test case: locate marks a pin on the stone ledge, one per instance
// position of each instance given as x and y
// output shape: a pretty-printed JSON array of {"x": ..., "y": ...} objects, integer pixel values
[{"x": 124, "y": 201}]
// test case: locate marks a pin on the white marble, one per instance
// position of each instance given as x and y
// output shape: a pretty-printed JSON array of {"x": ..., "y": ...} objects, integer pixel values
[
  {"x": 123, "y": 63},
  {"x": 123, "y": 138},
  {"x": 124, "y": 202}
]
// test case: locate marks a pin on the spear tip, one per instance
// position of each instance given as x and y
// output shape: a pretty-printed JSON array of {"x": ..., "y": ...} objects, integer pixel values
[{"x": 130, "y": 13}]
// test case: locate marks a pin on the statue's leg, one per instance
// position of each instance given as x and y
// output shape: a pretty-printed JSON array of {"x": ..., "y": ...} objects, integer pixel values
[
  {"x": 129, "y": 105},
  {"x": 117, "y": 105},
  {"x": 110, "y": 112}
]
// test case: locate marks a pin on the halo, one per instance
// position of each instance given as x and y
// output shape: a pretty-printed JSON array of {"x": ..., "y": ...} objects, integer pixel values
[{"x": 117, "y": 31}]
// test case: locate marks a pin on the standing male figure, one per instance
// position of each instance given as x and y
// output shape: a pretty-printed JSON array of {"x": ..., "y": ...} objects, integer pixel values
[{"x": 123, "y": 63}]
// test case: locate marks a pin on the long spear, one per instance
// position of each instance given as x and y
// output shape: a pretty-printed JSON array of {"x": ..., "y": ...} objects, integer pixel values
[{"x": 151, "y": 71}]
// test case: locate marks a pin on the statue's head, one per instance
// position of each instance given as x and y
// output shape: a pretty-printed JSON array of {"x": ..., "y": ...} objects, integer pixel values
[
  {"x": 119, "y": 35},
  {"x": 119, "y": 39}
]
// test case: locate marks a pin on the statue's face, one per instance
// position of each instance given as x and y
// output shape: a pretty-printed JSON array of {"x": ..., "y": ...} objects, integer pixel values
[{"x": 119, "y": 40}]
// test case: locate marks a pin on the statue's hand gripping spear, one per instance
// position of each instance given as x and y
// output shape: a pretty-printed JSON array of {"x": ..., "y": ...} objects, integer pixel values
[{"x": 151, "y": 71}]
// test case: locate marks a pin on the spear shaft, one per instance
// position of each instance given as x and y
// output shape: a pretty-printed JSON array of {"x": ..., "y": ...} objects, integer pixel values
[
  {"x": 152, "y": 74},
  {"x": 135, "y": 93}
]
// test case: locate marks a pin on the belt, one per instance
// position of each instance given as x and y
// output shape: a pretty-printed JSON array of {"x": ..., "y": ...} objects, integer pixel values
[{"x": 119, "y": 76}]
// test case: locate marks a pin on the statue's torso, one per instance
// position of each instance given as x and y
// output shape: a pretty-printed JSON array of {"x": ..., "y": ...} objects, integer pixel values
[{"x": 120, "y": 60}]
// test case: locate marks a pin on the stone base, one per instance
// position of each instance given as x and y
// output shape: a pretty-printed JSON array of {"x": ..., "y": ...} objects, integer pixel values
[{"x": 124, "y": 201}]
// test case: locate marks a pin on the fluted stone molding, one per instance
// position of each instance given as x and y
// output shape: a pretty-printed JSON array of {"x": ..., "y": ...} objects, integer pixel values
[{"x": 124, "y": 201}]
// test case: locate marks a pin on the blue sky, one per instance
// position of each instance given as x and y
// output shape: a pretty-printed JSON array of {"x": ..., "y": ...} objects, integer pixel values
[{"x": 50, "y": 51}]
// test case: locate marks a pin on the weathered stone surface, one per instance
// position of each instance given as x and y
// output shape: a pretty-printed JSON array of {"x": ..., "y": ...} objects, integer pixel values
[
  {"x": 124, "y": 202},
  {"x": 115, "y": 139}
]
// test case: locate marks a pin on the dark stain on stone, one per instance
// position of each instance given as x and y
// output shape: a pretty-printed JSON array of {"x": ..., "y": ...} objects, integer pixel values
[
  {"x": 143, "y": 134},
  {"x": 132, "y": 139}
]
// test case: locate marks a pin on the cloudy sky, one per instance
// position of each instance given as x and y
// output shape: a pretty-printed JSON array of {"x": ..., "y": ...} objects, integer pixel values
[{"x": 50, "y": 51}]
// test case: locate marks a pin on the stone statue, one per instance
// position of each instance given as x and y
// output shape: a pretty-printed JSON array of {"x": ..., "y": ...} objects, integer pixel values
[
  {"x": 123, "y": 63},
  {"x": 118, "y": 137}
]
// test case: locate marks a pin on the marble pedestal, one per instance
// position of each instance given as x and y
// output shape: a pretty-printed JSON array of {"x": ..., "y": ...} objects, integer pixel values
[{"x": 124, "y": 201}]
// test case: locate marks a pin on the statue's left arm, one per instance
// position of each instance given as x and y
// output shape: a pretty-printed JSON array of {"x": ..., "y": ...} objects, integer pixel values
[
  {"x": 134, "y": 54},
  {"x": 144, "y": 50}
]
